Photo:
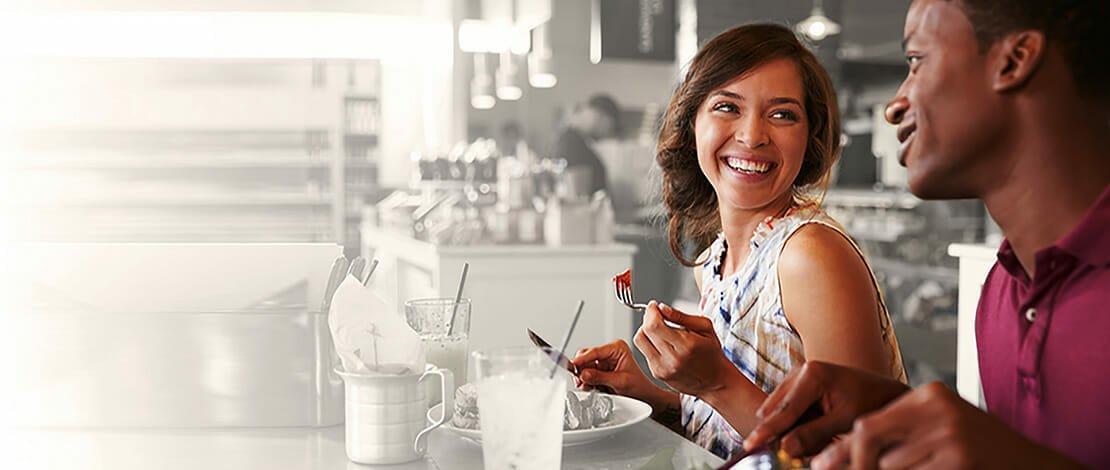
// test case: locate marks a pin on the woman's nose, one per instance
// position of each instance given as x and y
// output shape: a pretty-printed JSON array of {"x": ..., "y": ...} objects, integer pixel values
[
  {"x": 896, "y": 109},
  {"x": 751, "y": 133}
]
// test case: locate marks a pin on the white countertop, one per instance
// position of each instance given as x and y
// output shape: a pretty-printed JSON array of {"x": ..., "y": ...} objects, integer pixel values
[{"x": 306, "y": 448}]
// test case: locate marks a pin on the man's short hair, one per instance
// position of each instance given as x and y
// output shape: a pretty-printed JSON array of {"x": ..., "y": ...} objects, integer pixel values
[{"x": 1076, "y": 27}]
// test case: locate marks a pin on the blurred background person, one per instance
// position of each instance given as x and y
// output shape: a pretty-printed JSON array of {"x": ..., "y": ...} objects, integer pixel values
[{"x": 597, "y": 119}]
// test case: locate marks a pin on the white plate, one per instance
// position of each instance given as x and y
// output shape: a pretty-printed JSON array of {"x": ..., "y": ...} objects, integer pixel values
[{"x": 626, "y": 412}]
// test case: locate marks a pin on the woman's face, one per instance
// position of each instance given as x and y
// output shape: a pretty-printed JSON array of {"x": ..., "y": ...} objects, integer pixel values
[{"x": 751, "y": 137}]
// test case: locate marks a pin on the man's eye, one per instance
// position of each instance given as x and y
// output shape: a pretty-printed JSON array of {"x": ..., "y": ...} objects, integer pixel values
[{"x": 912, "y": 59}]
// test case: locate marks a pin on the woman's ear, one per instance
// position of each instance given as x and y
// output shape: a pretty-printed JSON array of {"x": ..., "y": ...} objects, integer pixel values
[{"x": 1019, "y": 55}]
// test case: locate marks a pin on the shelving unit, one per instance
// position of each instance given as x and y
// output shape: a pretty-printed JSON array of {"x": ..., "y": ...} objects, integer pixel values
[
  {"x": 361, "y": 126},
  {"x": 200, "y": 150}
]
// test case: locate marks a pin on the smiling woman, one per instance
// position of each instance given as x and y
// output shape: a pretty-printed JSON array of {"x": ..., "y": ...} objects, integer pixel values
[
  {"x": 719, "y": 64},
  {"x": 746, "y": 148}
]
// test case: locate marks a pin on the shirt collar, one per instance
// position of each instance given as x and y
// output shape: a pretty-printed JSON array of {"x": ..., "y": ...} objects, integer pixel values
[
  {"x": 1009, "y": 261},
  {"x": 1088, "y": 241}
]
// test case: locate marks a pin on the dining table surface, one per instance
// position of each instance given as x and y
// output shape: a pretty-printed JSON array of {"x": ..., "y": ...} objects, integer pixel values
[{"x": 644, "y": 445}]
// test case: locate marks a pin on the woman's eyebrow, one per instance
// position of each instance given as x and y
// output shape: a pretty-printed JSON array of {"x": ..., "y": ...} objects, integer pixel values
[
  {"x": 786, "y": 100},
  {"x": 728, "y": 94},
  {"x": 775, "y": 100}
]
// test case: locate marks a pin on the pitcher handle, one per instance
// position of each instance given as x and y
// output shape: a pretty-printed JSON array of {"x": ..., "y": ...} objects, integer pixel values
[{"x": 447, "y": 387}]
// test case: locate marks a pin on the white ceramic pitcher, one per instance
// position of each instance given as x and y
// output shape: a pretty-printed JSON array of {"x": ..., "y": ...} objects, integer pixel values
[{"x": 386, "y": 415}]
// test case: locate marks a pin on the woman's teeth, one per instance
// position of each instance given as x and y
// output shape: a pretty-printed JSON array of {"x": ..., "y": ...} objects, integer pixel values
[{"x": 749, "y": 166}]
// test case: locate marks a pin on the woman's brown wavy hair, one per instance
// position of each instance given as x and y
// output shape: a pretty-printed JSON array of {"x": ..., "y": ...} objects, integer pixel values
[{"x": 689, "y": 199}]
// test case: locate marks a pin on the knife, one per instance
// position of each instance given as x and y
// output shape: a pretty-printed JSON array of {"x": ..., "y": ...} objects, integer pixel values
[
  {"x": 559, "y": 358},
  {"x": 552, "y": 353}
]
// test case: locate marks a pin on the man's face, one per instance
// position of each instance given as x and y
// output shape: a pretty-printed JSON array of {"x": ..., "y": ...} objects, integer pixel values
[{"x": 947, "y": 114}]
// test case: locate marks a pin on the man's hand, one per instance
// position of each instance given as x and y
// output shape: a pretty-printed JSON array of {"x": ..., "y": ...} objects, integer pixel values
[
  {"x": 840, "y": 394},
  {"x": 933, "y": 428}
]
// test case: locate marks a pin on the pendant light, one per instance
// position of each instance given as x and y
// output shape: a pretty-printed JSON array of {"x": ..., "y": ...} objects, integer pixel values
[
  {"x": 541, "y": 70},
  {"x": 817, "y": 26},
  {"x": 507, "y": 78},
  {"x": 481, "y": 86}
]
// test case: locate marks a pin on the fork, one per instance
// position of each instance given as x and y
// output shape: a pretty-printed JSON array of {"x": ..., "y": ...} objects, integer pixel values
[{"x": 622, "y": 288}]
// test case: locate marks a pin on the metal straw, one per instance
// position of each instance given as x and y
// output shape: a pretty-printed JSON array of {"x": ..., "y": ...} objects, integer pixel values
[
  {"x": 458, "y": 298},
  {"x": 566, "y": 339}
]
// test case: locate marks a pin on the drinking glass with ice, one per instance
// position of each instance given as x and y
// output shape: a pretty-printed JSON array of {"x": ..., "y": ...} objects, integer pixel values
[{"x": 521, "y": 406}]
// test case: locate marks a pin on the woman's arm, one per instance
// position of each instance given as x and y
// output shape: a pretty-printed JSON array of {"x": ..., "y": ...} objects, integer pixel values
[{"x": 829, "y": 298}]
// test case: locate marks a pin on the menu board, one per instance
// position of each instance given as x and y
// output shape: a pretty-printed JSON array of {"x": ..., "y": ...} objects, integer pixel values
[{"x": 633, "y": 29}]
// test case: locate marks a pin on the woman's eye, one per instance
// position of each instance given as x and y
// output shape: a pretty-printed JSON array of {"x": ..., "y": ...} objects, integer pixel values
[
  {"x": 724, "y": 107},
  {"x": 912, "y": 60},
  {"x": 784, "y": 114}
]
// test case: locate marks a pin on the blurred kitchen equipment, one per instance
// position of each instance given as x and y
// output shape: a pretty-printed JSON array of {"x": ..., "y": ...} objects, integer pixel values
[
  {"x": 385, "y": 415},
  {"x": 574, "y": 182},
  {"x": 604, "y": 218},
  {"x": 515, "y": 184},
  {"x": 179, "y": 347},
  {"x": 568, "y": 222}
]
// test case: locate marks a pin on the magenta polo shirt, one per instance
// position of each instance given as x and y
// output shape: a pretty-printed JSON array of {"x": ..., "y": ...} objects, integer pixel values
[{"x": 1044, "y": 343}]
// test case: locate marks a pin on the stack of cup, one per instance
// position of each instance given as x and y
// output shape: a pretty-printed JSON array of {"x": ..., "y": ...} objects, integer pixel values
[{"x": 386, "y": 415}]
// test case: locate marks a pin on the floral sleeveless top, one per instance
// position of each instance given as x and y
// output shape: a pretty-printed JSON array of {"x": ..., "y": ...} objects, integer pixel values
[{"x": 746, "y": 309}]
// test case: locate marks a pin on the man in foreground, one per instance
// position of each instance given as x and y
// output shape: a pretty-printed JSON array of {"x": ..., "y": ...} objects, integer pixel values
[{"x": 1005, "y": 101}]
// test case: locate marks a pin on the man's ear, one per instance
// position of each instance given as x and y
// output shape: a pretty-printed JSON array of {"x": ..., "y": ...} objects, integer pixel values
[{"x": 1019, "y": 56}]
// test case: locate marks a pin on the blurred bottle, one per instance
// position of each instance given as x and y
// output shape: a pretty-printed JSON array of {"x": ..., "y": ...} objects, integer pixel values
[{"x": 602, "y": 207}]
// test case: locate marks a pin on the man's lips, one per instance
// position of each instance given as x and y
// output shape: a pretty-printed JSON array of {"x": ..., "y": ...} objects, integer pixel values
[
  {"x": 905, "y": 131},
  {"x": 904, "y": 146}
]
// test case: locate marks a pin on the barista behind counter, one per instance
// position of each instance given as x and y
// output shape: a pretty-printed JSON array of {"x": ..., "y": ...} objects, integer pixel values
[{"x": 598, "y": 118}]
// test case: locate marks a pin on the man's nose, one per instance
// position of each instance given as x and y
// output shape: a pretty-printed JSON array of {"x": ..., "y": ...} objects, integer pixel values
[{"x": 896, "y": 109}]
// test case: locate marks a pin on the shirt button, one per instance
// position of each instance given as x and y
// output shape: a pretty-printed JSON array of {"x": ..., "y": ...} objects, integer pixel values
[{"x": 1031, "y": 315}]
